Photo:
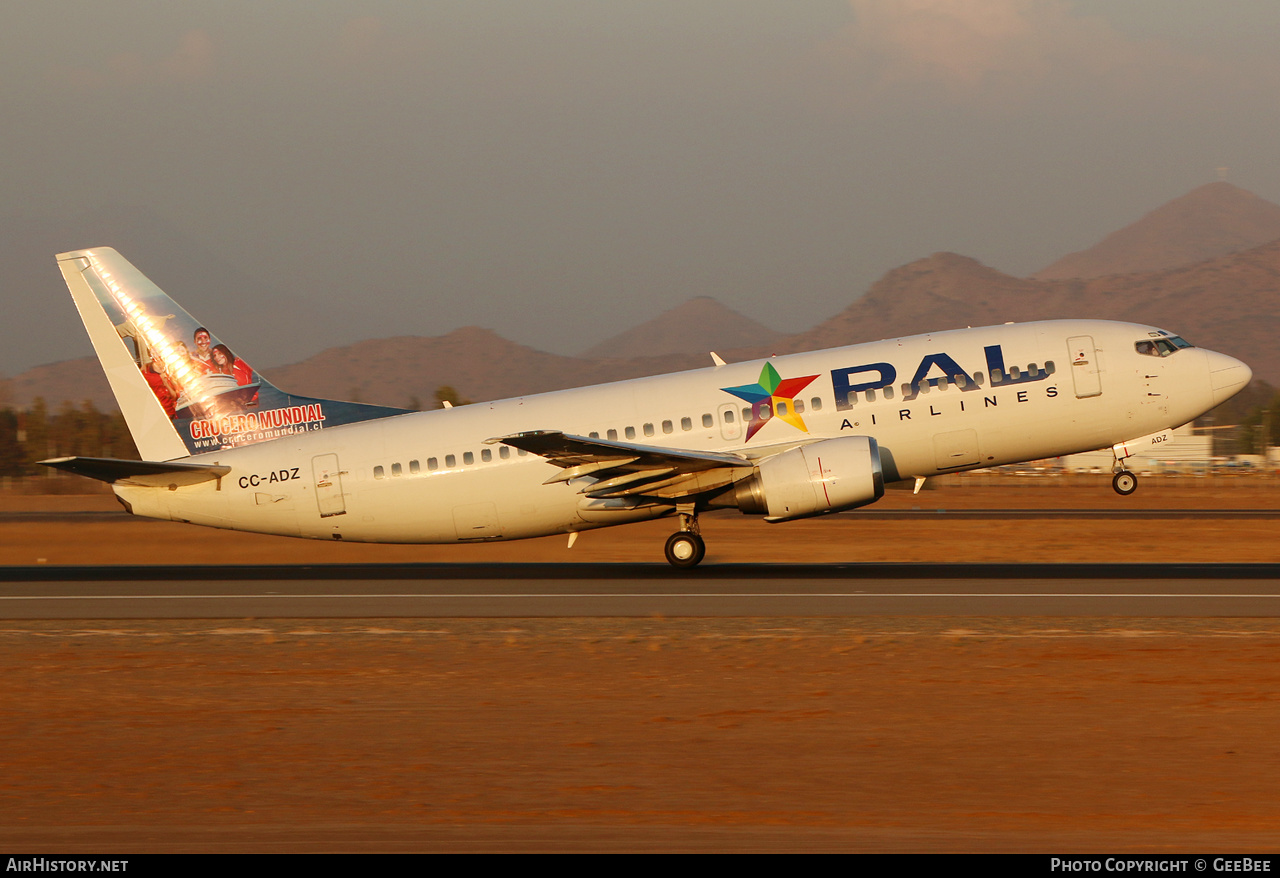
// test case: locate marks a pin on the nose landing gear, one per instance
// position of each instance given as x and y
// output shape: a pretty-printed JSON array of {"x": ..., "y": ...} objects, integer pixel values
[{"x": 685, "y": 547}]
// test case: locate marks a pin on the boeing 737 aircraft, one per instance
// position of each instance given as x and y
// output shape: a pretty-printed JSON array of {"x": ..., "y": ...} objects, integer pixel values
[{"x": 785, "y": 438}]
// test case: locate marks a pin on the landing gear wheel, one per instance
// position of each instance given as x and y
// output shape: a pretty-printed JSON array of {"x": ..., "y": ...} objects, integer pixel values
[
  {"x": 685, "y": 549},
  {"x": 1125, "y": 483}
]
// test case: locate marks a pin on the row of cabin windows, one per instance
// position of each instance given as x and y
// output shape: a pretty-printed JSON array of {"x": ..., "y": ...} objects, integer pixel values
[
  {"x": 504, "y": 452},
  {"x": 686, "y": 424},
  {"x": 708, "y": 420},
  {"x": 450, "y": 461}
]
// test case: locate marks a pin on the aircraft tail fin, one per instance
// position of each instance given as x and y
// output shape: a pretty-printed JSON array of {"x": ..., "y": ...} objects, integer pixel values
[{"x": 181, "y": 390}]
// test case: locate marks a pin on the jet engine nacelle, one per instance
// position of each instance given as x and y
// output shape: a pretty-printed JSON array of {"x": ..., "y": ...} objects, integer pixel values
[{"x": 828, "y": 476}]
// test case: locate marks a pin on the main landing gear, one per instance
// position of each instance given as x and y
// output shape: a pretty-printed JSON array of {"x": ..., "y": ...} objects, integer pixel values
[
  {"x": 1124, "y": 482},
  {"x": 685, "y": 547}
]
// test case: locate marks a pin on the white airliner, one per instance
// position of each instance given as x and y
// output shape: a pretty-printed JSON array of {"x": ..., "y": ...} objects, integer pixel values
[{"x": 787, "y": 437}]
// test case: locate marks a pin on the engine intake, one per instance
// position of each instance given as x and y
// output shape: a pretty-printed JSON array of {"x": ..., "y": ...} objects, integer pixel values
[{"x": 827, "y": 476}]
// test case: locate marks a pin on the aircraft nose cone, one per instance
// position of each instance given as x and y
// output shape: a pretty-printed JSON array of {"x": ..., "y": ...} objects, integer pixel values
[{"x": 1227, "y": 376}]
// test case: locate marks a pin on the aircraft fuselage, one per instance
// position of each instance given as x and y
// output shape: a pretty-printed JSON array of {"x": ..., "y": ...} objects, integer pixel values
[{"x": 938, "y": 403}]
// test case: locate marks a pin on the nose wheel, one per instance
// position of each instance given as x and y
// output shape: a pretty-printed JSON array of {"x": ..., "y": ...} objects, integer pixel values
[{"x": 1124, "y": 482}]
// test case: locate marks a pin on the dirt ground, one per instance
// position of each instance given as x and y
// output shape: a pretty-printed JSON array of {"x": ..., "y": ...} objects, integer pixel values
[{"x": 770, "y": 734}]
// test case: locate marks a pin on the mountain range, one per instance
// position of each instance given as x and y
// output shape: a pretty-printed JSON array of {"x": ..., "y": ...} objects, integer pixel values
[
  {"x": 1205, "y": 265},
  {"x": 1208, "y": 222}
]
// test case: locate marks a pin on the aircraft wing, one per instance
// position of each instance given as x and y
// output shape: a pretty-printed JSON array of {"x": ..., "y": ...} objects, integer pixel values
[{"x": 623, "y": 469}]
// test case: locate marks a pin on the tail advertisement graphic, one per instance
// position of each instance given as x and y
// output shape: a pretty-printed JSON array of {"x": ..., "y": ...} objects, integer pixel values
[{"x": 213, "y": 397}]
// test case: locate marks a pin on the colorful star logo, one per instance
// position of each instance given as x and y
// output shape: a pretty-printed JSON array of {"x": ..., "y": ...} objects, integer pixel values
[{"x": 772, "y": 396}]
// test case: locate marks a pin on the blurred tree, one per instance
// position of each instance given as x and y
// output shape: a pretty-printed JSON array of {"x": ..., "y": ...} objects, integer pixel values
[
  {"x": 33, "y": 433},
  {"x": 12, "y": 452}
]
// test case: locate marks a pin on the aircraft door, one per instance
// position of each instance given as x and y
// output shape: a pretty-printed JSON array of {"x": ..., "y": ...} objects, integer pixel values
[
  {"x": 1084, "y": 366},
  {"x": 730, "y": 423},
  {"x": 328, "y": 478}
]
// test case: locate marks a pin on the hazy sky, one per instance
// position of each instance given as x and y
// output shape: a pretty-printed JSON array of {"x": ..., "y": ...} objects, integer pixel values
[{"x": 561, "y": 170}]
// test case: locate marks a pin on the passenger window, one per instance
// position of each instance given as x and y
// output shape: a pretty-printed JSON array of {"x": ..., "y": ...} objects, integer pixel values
[
  {"x": 432, "y": 464},
  {"x": 486, "y": 455},
  {"x": 686, "y": 424},
  {"x": 708, "y": 421},
  {"x": 816, "y": 403},
  {"x": 450, "y": 460},
  {"x": 378, "y": 473},
  {"x": 728, "y": 416},
  {"x": 799, "y": 403},
  {"x": 888, "y": 392},
  {"x": 1014, "y": 373},
  {"x": 396, "y": 470},
  {"x": 594, "y": 435},
  {"x": 1048, "y": 368},
  {"x": 631, "y": 432},
  {"x": 613, "y": 435},
  {"x": 414, "y": 469},
  {"x": 521, "y": 452},
  {"x": 648, "y": 429},
  {"x": 667, "y": 427},
  {"x": 782, "y": 409},
  {"x": 746, "y": 413},
  {"x": 504, "y": 452},
  {"x": 468, "y": 458},
  {"x": 871, "y": 395}
]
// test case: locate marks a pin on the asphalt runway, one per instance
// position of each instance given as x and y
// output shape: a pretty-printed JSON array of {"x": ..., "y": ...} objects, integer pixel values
[
  {"x": 84, "y": 517},
  {"x": 638, "y": 590}
]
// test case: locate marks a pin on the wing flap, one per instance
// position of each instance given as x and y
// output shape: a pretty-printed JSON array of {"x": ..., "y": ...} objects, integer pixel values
[
  {"x": 625, "y": 469},
  {"x": 567, "y": 450},
  {"x": 672, "y": 488}
]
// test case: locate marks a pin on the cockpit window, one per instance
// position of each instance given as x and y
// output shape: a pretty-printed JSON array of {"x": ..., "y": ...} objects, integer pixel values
[{"x": 1162, "y": 346}]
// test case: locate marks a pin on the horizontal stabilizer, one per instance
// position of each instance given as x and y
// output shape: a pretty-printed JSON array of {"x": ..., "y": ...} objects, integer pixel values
[{"x": 145, "y": 473}]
